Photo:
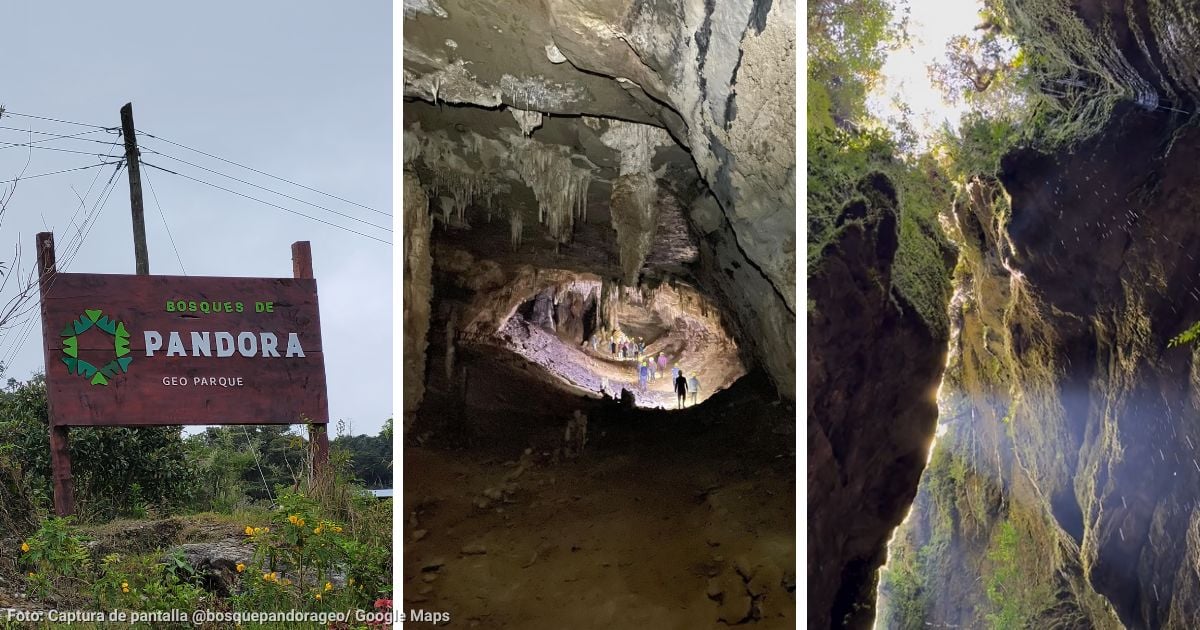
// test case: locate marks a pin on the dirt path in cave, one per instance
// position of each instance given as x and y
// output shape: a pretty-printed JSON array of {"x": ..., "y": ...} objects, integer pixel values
[{"x": 634, "y": 534}]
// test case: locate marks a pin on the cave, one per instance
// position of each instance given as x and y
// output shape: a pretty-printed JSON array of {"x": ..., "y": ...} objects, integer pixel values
[
  {"x": 599, "y": 210},
  {"x": 1004, "y": 395}
]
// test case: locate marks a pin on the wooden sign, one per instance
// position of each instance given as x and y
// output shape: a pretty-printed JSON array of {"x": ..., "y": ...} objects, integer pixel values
[{"x": 141, "y": 350}]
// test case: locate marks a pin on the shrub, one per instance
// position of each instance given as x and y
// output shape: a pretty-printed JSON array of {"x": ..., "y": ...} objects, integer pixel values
[{"x": 307, "y": 561}]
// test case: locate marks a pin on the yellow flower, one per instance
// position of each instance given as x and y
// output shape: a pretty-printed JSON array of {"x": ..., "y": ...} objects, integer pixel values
[
  {"x": 300, "y": 522},
  {"x": 318, "y": 596},
  {"x": 124, "y": 589},
  {"x": 317, "y": 529},
  {"x": 240, "y": 567},
  {"x": 328, "y": 586},
  {"x": 24, "y": 547},
  {"x": 287, "y": 582},
  {"x": 32, "y": 574},
  {"x": 351, "y": 581},
  {"x": 267, "y": 577},
  {"x": 124, "y": 584},
  {"x": 249, "y": 531}
]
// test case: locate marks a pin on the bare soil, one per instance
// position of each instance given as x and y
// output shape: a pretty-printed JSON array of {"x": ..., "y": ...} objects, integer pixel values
[{"x": 667, "y": 520}]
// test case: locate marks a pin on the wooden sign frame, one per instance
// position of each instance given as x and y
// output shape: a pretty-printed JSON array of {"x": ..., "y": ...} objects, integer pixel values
[{"x": 172, "y": 350}]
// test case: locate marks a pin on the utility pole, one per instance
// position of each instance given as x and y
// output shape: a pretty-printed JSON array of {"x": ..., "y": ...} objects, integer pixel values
[{"x": 132, "y": 156}]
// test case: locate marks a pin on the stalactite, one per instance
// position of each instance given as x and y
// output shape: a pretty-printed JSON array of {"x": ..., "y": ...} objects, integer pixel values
[
  {"x": 633, "y": 201},
  {"x": 528, "y": 121},
  {"x": 559, "y": 186},
  {"x": 516, "y": 225}
]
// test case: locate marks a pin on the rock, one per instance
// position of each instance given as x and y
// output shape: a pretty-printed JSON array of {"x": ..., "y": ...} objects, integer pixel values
[
  {"x": 429, "y": 577},
  {"x": 419, "y": 534},
  {"x": 764, "y": 579},
  {"x": 216, "y": 562},
  {"x": 714, "y": 589},
  {"x": 734, "y": 609},
  {"x": 433, "y": 565},
  {"x": 474, "y": 549}
]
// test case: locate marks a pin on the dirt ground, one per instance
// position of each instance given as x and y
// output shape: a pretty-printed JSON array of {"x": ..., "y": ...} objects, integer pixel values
[{"x": 667, "y": 520}]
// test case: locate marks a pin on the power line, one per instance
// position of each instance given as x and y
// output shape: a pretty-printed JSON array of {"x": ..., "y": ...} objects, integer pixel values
[
  {"x": 97, "y": 210},
  {"x": 9, "y": 145},
  {"x": 341, "y": 214},
  {"x": 217, "y": 157},
  {"x": 68, "y": 170},
  {"x": 58, "y": 120},
  {"x": 164, "y": 220},
  {"x": 65, "y": 136},
  {"x": 273, "y": 205},
  {"x": 82, "y": 200}
]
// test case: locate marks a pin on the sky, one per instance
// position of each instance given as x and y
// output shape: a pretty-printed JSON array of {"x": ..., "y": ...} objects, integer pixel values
[
  {"x": 905, "y": 74},
  {"x": 298, "y": 89}
]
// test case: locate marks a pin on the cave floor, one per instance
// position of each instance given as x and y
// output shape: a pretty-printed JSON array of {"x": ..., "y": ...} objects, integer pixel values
[{"x": 641, "y": 531}]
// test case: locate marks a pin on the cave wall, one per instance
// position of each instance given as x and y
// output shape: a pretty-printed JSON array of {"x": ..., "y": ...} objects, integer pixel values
[
  {"x": 1066, "y": 400},
  {"x": 874, "y": 364}
]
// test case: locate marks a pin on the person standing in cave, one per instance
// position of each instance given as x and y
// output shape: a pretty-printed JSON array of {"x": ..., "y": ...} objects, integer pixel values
[
  {"x": 675, "y": 372},
  {"x": 694, "y": 388},
  {"x": 643, "y": 374},
  {"x": 681, "y": 388},
  {"x": 662, "y": 363}
]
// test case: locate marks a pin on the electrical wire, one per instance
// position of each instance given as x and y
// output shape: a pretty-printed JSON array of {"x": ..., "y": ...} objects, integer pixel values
[
  {"x": 341, "y": 214},
  {"x": 164, "y": 220},
  {"x": 274, "y": 205},
  {"x": 68, "y": 170},
  {"x": 9, "y": 145},
  {"x": 58, "y": 120},
  {"x": 65, "y": 136},
  {"x": 217, "y": 157}
]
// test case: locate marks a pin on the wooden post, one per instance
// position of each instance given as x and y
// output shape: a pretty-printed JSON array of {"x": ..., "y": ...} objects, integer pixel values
[
  {"x": 318, "y": 437},
  {"x": 60, "y": 454},
  {"x": 132, "y": 157}
]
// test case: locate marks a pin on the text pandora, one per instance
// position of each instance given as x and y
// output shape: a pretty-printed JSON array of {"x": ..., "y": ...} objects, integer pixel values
[{"x": 247, "y": 344}]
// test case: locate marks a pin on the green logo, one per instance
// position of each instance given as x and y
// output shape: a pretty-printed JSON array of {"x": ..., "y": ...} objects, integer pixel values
[{"x": 70, "y": 347}]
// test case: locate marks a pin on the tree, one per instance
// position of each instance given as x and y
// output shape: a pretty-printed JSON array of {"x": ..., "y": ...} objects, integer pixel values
[
  {"x": 848, "y": 42},
  {"x": 106, "y": 462}
]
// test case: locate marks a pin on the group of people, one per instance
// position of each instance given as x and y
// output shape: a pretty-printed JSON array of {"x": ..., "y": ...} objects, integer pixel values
[
  {"x": 649, "y": 367},
  {"x": 618, "y": 344},
  {"x": 655, "y": 367},
  {"x": 685, "y": 386},
  {"x": 652, "y": 368}
]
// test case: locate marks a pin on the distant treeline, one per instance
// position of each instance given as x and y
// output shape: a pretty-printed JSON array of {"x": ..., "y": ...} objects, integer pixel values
[{"x": 121, "y": 471}]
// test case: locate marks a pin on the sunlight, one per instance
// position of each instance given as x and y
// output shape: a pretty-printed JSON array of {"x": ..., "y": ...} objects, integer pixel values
[{"x": 904, "y": 77}]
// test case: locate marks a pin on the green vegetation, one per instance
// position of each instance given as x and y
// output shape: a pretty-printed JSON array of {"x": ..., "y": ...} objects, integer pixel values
[
  {"x": 313, "y": 542},
  {"x": 1013, "y": 585},
  {"x": 848, "y": 42}
]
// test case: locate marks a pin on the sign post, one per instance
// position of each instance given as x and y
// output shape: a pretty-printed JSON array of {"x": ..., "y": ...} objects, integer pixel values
[{"x": 142, "y": 350}]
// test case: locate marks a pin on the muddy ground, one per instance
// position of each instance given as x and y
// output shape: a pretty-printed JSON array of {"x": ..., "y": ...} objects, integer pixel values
[{"x": 666, "y": 520}]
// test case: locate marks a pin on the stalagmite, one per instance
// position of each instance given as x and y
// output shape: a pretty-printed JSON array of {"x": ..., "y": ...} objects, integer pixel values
[{"x": 418, "y": 292}]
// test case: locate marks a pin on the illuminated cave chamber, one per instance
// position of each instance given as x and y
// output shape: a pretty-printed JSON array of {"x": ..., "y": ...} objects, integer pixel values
[{"x": 555, "y": 329}]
